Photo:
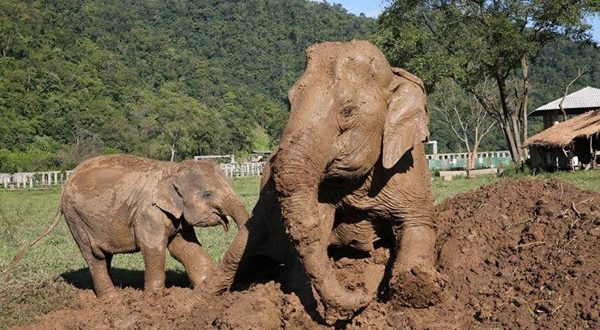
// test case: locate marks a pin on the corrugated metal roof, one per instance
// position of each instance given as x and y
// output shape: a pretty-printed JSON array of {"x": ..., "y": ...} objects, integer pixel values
[{"x": 585, "y": 98}]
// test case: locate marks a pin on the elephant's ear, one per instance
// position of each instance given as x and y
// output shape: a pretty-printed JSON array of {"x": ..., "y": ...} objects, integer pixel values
[
  {"x": 167, "y": 198},
  {"x": 407, "y": 118}
]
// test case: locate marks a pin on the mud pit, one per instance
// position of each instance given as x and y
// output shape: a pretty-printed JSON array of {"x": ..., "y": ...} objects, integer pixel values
[{"x": 517, "y": 254}]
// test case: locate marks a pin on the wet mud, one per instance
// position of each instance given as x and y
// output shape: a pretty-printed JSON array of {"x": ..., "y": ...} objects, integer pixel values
[{"x": 516, "y": 254}]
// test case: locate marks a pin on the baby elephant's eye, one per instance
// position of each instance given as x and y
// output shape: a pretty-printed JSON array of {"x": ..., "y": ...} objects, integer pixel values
[
  {"x": 207, "y": 194},
  {"x": 348, "y": 111}
]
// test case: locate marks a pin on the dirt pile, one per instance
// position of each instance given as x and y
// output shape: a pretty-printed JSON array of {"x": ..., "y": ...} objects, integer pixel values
[
  {"x": 517, "y": 254},
  {"x": 522, "y": 254}
]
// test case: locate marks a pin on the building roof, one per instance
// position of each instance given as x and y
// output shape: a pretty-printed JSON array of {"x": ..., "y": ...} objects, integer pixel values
[
  {"x": 561, "y": 134},
  {"x": 583, "y": 100}
]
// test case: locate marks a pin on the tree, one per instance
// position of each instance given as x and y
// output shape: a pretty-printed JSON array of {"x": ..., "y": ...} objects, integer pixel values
[
  {"x": 471, "y": 41},
  {"x": 169, "y": 123},
  {"x": 18, "y": 23},
  {"x": 465, "y": 116}
]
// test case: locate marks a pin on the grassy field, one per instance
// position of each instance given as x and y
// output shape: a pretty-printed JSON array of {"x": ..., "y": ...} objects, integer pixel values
[{"x": 49, "y": 274}]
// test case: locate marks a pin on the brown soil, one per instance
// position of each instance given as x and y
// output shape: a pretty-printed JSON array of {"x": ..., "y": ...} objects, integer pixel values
[{"x": 517, "y": 254}]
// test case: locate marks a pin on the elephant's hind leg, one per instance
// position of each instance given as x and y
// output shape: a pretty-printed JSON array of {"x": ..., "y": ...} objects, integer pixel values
[
  {"x": 97, "y": 261},
  {"x": 185, "y": 248},
  {"x": 99, "y": 269}
]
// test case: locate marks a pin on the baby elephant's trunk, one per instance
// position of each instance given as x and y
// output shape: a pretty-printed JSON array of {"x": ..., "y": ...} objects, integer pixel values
[{"x": 236, "y": 209}]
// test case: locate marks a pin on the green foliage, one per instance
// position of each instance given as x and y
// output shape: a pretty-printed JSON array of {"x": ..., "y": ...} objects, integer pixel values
[
  {"x": 472, "y": 41},
  {"x": 210, "y": 75},
  {"x": 146, "y": 77}
]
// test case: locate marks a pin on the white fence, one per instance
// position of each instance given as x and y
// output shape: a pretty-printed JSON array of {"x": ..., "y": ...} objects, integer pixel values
[
  {"x": 40, "y": 180},
  {"x": 242, "y": 170},
  {"x": 486, "y": 159},
  {"x": 32, "y": 180},
  {"x": 463, "y": 155}
]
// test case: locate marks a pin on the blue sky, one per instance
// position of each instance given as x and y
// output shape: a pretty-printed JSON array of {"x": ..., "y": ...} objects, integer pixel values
[{"x": 373, "y": 8}]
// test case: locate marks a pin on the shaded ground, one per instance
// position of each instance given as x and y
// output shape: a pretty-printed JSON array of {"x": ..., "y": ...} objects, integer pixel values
[{"x": 517, "y": 254}]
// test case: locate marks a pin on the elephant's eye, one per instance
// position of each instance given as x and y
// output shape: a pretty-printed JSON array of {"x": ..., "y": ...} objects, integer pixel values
[
  {"x": 349, "y": 111},
  {"x": 207, "y": 195}
]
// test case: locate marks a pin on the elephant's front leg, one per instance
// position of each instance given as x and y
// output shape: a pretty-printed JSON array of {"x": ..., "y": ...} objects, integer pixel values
[
  {"x": 415, "y": 281},
  {"x": 153, "y": 244},
  {"x": 186, "y": 249}
]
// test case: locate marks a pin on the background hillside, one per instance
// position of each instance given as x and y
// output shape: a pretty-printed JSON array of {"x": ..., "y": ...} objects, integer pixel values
[{"x": 79, "y": 78}]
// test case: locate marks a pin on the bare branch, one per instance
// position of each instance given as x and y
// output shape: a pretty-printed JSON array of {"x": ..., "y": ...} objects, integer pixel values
[{"x": 580, "y": 72}]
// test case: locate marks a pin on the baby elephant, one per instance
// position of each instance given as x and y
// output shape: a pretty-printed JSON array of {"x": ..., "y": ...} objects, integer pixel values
[{"x": 123, "y": 204}]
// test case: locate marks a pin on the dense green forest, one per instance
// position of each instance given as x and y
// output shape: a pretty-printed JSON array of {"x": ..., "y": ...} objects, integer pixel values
[{"x": 81, "y": 78}]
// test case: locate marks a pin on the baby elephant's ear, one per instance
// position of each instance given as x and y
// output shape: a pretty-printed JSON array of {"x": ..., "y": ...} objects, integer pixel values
[
  {"x": 407, "y": 119},
  {"x": 167, "y": 198}
]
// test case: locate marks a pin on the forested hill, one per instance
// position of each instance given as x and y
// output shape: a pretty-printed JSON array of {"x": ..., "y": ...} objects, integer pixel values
[
  {"x": 79, "y": 78},
  {"x": 152, "y": 77}
]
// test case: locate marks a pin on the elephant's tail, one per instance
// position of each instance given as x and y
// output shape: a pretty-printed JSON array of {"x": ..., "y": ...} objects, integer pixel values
[{"x": 15, "y": 260}]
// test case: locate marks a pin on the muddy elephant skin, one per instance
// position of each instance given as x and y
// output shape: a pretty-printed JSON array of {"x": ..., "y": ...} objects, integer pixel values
[
  {"x": 123, "y": 204},
  {"x": 349, "y": 170}
]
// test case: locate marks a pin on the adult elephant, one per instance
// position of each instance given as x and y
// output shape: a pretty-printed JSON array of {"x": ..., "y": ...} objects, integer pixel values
[{"x": 350, "y": 168}]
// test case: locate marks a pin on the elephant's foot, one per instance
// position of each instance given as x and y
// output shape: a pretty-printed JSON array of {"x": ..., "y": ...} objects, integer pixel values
[
  {"x": 197, "y": 298},
  {"x": 358, "y": 297},
  {"x": 334, "y": 313},
  {"x": 418, "y": 287},
  {"x": 214, "y": 284},
  {"x": 109, "y": 295}
]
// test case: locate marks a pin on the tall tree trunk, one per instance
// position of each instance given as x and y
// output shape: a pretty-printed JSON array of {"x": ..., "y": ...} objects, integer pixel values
[
  {"x": 516, "y": 128},
  {"x": 526, "y": 87},
  {"x": 510, "y": 125},
  {"x": 510, "y": 141},
  {"x": 473, "y": 155},
  {"x": 469, "y": 164}
]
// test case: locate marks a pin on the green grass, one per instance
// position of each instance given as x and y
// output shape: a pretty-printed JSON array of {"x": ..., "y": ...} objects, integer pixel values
[
  {"x": 48, "y": 275},
  {"x": 444, "y": 189}
]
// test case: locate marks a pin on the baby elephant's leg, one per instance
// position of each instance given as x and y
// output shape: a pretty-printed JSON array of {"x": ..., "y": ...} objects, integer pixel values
[
  {"x": 99, "y": 269},
  {"x": 153, "y": 245},
  {"x": 98, "y": 263},
  {"x": 186, "y": 249}
]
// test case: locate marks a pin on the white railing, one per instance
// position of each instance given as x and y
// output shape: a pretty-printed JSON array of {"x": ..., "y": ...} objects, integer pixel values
[
  {"x": 463, "y": 155},
  {"x": 37, "y": 180},
  {"x": 242, "y": 170},
  {"x": 32, "y": 180}
]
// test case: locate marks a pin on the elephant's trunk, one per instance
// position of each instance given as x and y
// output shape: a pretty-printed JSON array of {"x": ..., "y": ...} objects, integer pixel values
[
  {"x": 298, "y": 171},
  {"x": 228, "y": 265},
  {"x": 237, "y": 211}
]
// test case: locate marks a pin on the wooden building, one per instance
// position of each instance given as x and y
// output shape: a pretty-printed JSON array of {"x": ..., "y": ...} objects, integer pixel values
[{"x": 572, "y": 144}]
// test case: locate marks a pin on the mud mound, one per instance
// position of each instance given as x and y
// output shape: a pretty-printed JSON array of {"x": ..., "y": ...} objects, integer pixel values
[
  {"x": 517, "y": 254},
  {"x": 523, "y": 254},
  {"x": 264, "y": 306}
]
